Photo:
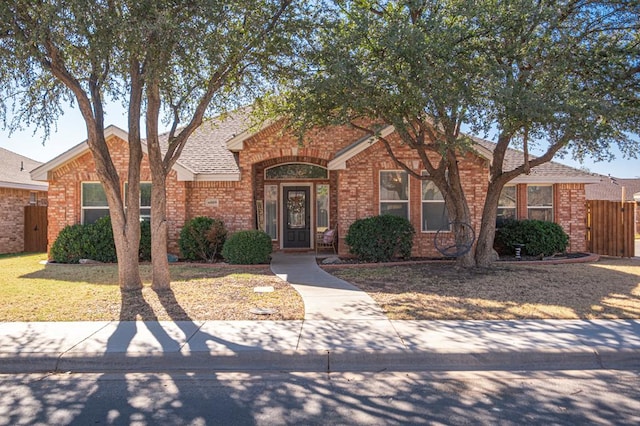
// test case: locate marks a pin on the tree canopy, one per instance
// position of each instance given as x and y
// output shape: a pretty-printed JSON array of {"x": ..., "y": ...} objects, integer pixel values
[{"x": 562, "y": 76}]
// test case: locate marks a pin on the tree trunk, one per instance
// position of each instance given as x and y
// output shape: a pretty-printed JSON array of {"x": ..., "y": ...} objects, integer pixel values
[
  {"x": 161, "y": 276},
  {"x": 459, "y": 211},
  {"x": 484, "y": 249}
]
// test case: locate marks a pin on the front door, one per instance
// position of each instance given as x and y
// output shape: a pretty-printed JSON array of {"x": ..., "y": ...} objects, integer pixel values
[{"x": 296, "y": 217}]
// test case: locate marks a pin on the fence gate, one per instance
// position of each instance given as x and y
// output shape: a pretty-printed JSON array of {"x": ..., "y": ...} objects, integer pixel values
[
  {"x": 35, "y": 228},
  {"x": 610, "y": 228}
]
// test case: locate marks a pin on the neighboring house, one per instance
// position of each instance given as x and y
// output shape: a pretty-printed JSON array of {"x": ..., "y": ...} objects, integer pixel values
[
  {"x": 610, "y": 189},
  {"x": 17, "y": 190},
  {"x": 265, "y": 179}
]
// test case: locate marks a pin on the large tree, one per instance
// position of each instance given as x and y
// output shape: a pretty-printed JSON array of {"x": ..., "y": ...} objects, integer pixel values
[
  {"x": 163, "y": 59},
  {"x": 56, "y": 53},
  {"x": 555, "y": 74}
]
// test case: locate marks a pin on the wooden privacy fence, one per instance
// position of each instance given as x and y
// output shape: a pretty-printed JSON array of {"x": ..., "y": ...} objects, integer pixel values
[
  {"x": 35, "y": 228},
  {"x": 610, "y": 228}
]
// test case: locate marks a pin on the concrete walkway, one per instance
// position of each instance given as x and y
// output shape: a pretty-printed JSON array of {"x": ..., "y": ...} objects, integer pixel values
[{"x": 325, "y": 296}]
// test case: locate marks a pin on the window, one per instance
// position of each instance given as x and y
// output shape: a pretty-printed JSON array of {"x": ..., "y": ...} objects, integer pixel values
[
  {"x": 540, "y": 202},
  {"x": 145, "y": 199},
  {"x": 94, "y": 202},
  {"x": 271, "y": 210},
  {"x": 33, "y": 198},
  {"x": 434, "y": 210},
  {"x": 322, "y": 207},
  {"x": 507, "y": 204},
  {"x": 394, "y": 193},
  {"x": 296, "y": 171}
]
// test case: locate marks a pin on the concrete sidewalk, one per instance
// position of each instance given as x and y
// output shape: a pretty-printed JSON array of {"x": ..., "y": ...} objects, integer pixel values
[{"x": 318, "y": 346}]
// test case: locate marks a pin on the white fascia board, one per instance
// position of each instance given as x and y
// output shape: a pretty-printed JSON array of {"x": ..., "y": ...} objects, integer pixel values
[
  {"x": 26, "y": 186},
  {"x": 550, "y": 179},
  {"x": 236, "y": 143},
  {"x": 636, "y": 197},
  {"x": 340, "y": 162}
]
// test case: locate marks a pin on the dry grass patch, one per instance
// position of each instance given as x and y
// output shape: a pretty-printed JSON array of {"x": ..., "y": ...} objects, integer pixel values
[
  {"x": 608, "y": 289},
  {"x": 30, "y": 291}
]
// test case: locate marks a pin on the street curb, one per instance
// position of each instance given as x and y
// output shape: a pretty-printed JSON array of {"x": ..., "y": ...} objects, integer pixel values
[{"x": 320, "y": 361}]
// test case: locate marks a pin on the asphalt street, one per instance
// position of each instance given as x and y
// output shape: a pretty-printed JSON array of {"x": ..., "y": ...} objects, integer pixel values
[{"x": 384, "y": 398}]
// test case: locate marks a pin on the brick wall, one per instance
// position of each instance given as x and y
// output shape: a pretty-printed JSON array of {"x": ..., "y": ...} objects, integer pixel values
[
  {"x": 354, "y": 192},
  {"x": 12, "y": 203}
]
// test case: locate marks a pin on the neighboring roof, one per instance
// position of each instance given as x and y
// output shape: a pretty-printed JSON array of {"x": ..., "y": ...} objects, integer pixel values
[
  {"x": 610, "y": 189},
  {"x": 14, "y": 172},
  {"x": 549, "y": 172}
]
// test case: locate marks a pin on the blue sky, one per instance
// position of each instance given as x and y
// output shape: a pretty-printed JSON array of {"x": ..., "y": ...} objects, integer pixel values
[{"x": 71, "y": 131}]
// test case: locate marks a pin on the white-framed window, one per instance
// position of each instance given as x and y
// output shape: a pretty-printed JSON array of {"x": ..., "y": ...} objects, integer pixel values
[
  {"x": 145, "y": 199},
  {"x": 394, "y": 193},
  {"x": 540, "y": 202},
  {"x": 322, "y": 207},
  {"x": 33, "y": 198},
  {"x": 435, "y": 216},
  {"x": 271, "y": 211},
  {"x": 507, "y": 203},
  {"x": 94, "y": 202}
]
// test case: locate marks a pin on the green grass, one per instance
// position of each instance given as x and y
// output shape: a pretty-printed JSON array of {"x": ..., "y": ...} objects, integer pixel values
[{"x": 31, "y": 291}]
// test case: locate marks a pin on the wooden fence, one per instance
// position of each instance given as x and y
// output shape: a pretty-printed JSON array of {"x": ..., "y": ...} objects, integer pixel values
[
  {"x": 610, "y": 228},
  {"x": 35, "y": 228}
]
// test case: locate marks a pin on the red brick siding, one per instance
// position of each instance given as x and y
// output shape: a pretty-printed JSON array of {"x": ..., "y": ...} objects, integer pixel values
[{"x": 12, "y": 203}]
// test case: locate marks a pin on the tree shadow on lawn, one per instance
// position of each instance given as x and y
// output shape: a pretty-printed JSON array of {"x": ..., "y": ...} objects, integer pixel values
[{"x": 607, "y": 289}]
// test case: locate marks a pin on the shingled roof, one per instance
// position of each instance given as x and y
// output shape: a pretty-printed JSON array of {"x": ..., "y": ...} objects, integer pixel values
[
  {"x": 14, "y": 171},
  {"x": 610, "y": 189},
  {"x": 549, "y": 172}
]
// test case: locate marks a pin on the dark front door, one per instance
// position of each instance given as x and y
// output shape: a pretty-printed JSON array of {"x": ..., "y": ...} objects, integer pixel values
[{"x": 296, "y": 217}]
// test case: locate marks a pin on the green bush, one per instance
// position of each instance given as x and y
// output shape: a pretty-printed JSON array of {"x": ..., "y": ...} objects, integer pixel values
[
  {"x": 380, "y": 238},
  {"x": 145, "y": 241},
  {"x": 202, "y": 238},
  {"x": 69, "y": 246},
  {"x": 94, "y": 241},
  {"x": 247, "y": 248},
  {"x": 539, "y": 237}
]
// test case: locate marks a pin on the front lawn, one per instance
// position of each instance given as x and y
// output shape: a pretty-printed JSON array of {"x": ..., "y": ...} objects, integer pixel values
[
  {"x": 30, "y": 291},
  {"x": 609, "y": 289}
]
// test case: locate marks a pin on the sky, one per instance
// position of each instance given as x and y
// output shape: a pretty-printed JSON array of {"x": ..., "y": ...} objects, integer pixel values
[{"x": 71, "y": 131}]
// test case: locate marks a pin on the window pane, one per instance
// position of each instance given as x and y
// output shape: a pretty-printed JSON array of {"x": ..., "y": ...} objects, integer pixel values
[
  {"x": 93, "y": 195},
  {"x": 394, "y": 185},
  {"x": 91, "y": 215},
  {"x": 540, "y": 196},
  {"x": 541, "y": 214},
  {"x": 145, "y": 195},
  {"x": 507, "y": 197},
  {"x": 296, "y": 171},
  {"x": 430, "y": 191},
  {"x": 506, "y": 213},
  {"x": 434, "y": 216},
  {"x": 322, "y": 206},
  {"x": 397, "y": 209},
  {"x": 271, "y": 210}
]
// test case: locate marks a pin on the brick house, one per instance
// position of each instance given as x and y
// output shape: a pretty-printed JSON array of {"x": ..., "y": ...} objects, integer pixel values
[
  {"x": 17, "y": 190},
  {"x": 263, "y": 178}
]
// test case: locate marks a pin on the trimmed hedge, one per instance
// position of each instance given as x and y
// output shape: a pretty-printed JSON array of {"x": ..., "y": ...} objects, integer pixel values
[
  {"x": 248, "y": 248},
  {"x": 94, "y": 241},
  {"x": 380, "y": 238},
  {"x": 539, "y": 237},
  {"x": 202, "y": 238}
]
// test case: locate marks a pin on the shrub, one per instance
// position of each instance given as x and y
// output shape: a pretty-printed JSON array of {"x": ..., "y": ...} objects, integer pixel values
[
  {"x": 94, "y": 241},
  {"x": 380, "y": 238},
  {"x": 539, "y": 237},
  {"x": 247, "y": 247},
  {"x": 202, "y": 238},
  {"x": 145, "y": 240},
  {"x": 68, "y": 247}
]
